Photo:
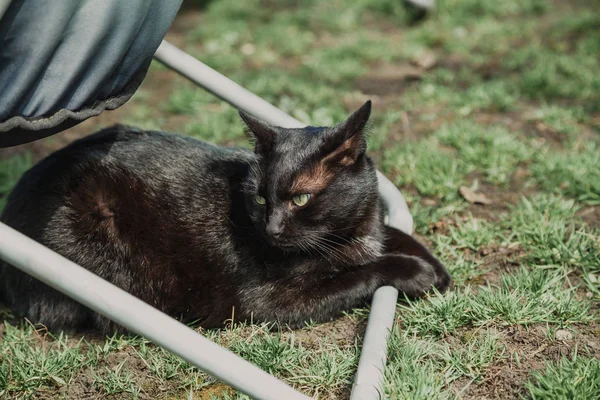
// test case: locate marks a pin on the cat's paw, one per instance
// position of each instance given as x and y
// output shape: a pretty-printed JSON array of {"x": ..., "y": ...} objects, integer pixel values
[
  {"x": 412, "y": 276},
  {"x": 443, "y": 279},
  {"x": 415, "y": 258}
]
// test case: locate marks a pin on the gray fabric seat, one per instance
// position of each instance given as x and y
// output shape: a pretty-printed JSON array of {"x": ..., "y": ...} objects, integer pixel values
[{"x": 62, "y": 62}]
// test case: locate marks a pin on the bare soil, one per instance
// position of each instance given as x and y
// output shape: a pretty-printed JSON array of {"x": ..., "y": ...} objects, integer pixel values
[{"x": 526, "y": 349}]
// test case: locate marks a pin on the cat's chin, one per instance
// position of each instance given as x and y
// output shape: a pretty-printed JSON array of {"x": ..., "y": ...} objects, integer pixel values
[{"x": 284, "y": 246}]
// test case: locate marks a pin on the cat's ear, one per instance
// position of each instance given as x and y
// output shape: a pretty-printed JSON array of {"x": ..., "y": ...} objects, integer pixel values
[
  {"x": 262, "y": 133},
  {"x": 346, "y": 142}
]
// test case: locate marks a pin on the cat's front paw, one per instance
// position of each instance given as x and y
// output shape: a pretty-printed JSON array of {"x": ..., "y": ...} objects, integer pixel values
[
  {"x": 412, "y": 275},
  {"x": 443, "y": 279}
]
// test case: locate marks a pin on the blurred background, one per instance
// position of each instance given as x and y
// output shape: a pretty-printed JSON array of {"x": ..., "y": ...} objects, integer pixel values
[
  {"x": 528, "y": 68},
  {"x": 486, "y": 116}
]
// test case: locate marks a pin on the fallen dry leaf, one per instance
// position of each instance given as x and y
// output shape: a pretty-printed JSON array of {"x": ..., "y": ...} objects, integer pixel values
[
  {"x": 425, "y": 60},
  {"x": 473, "y": 197},
  {"x": 563, "y": 334}
]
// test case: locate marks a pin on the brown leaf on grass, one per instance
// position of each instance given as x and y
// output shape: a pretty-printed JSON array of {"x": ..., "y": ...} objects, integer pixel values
[
  {"x": 473, "y": 197},
  {"x": 425, "y": 60}
]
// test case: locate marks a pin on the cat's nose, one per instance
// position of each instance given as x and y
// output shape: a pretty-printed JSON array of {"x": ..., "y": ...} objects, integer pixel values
[{"x": 274, "y": 230}]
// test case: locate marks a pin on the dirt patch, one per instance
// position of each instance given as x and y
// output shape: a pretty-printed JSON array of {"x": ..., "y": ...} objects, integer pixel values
[
  {"x": 502, "y": 198},
  {"x": 491, "y": 69},
  {"x": 499, "y": 382},
  {"x": 525, "y": 124},
  {"x": 412, "y": 126},
  {"x": 499, "y": 206},
  {"x": 527, "y": 349},
  {"x": 390, "y": 79},
  {"x": 89, "y": 383},
  {"x": 545, "y": 133},
  {"x": 512, "y": 121},
  {"x": 215, "y": 391},
  {"x": 590, "y": 216},
  {"x": 495, "y": 260},
  {"x": 343, "y": 331}
]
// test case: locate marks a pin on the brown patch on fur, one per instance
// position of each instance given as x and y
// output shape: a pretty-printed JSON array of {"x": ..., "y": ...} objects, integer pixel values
[
  {"x": 317, "y": 179},
  {"x": 345, "y": 154},
  {"x": 92, "y": 206},
  {"x": 314, "y": 180},
  {"x": 103, "y": 211}
]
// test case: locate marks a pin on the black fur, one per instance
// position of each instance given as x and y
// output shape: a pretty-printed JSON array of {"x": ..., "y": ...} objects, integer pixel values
[{"x": 175, "y": 222}]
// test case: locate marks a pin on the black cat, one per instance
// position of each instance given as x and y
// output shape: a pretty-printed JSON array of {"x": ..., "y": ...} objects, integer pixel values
[{"x": 290, "y": 233}]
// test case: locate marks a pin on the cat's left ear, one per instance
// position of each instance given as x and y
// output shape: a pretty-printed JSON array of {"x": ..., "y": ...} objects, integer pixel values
[
  {"x": 346, "y": 142},
  {"x": 262, "y": 132}
]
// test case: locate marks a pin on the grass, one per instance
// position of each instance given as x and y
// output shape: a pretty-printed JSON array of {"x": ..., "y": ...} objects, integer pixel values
[
  {"x": 433, "y": 173},
  {"x": 30, "y": 362},
  {"x": 117, "y": 380},
  {"x": 575, "y": 378},
  {"x": 522, "y": 298},
  {"x": 510, "y": 109},
  {"x": 575, "y": 174}
]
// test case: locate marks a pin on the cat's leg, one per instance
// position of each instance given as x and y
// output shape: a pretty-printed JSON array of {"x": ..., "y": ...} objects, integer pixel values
[
  {"x": 398, "y": 242},
  {"x": 40, "y": 303},
  {"x": 294, "y": 301}
]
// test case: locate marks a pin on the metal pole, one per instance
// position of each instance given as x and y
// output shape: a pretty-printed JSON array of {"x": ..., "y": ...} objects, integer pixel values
[
  {"x": 222, "y": 87},
  {"x": 139, "y": 317},
  {"x": 381, "y": 319},
  {"x": 367, "y": 383},
  {"x": 3, "y": 7}
]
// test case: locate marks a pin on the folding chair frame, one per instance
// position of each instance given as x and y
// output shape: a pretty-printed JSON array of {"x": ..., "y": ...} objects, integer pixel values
[{"x": 139, "y": 317}]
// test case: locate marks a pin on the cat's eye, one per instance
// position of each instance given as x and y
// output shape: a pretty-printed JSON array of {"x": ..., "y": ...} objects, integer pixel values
[
  {"x": 301, "y": 199},
  {"x": 260, "y": 200}
]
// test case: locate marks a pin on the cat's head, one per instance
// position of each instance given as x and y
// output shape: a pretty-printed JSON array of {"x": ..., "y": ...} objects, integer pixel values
[{"x": 314, "y": 187}]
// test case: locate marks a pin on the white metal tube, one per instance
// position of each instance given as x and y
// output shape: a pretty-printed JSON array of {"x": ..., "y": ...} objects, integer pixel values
[
  {"x": 369, "y": 375},
  {"x": 139, "y": 317},
  {"x": 222, "y": 87},
  {"x": 373, "y": 356},
  {"x": 3, "y": 7}
]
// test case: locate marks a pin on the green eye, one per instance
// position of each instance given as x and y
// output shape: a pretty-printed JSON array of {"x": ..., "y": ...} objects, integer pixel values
[
  {"x": 260, "y": 200},
  {"x": 301, "y": 200}
]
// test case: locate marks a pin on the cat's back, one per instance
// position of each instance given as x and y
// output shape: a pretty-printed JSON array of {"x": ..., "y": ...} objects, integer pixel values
[
  {"x": 126, "y": 171},
  {"x": 149, "y": 211},
  {"x": 146, "y": 152}
]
